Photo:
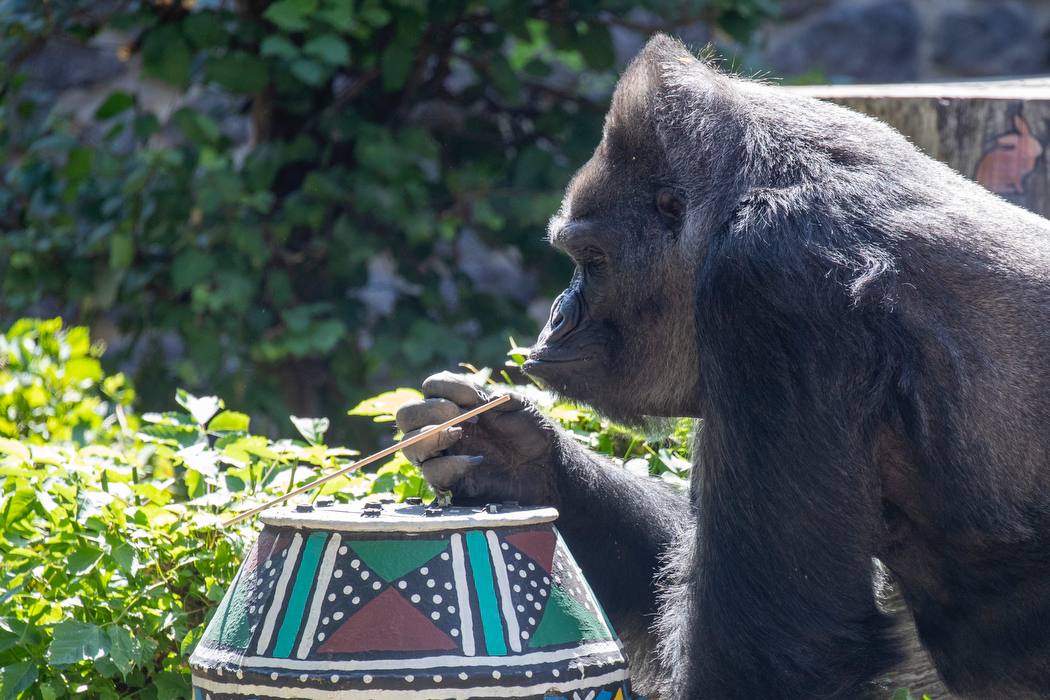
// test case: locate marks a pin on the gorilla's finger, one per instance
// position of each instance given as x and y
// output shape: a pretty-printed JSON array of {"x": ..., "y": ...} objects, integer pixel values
[
  {"x": 426, "y": 449},
  {"x": 457, "y": 388},
  {"x": 444, "y": 472},
  {"x": 516, "y": 403},
  {"x": 415, "y": 414}
]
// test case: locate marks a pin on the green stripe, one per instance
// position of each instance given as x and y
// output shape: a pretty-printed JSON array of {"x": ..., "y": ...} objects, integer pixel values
[
  {"x": 481, "y": 566},
  {"x": 304, "y": 580}
]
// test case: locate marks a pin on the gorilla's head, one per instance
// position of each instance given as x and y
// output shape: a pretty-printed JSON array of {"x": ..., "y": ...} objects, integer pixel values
[{"x": 622, "y": 336}]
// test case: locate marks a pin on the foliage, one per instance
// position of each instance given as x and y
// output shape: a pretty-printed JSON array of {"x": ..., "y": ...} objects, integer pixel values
[
  {"x": 111, "y": 554},
  {"x": 329, "y": 246}
]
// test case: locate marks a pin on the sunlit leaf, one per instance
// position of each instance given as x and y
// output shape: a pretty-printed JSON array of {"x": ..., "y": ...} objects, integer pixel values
[
  {"x": 75, "y": 641},
  {"x": 383, "y": 406},
  {"x": 312, "y": 429},
  {"x": 229, "y": 421},
  {"x": 202, "y": 408}
]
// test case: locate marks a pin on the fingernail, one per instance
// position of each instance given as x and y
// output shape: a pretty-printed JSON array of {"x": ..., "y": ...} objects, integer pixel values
[
  {"x": 455, "y": 433},
  {"x": 475, "y": 460}
]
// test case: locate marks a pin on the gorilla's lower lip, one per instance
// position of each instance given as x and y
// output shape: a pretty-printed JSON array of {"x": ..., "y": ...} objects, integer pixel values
[{"x": 533, "y": 362}]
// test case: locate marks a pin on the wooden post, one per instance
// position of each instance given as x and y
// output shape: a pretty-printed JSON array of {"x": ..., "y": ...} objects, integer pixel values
[{"x": 994, "y": 132}]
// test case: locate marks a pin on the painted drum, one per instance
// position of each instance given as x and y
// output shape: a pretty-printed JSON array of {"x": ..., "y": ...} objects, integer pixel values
[{"x": 403, "y": 601}]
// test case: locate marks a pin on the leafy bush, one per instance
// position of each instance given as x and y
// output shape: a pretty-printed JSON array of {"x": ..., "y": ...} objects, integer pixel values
[
  {"x": 387, "y": 138},
  {"x": 111, "y": 553}
]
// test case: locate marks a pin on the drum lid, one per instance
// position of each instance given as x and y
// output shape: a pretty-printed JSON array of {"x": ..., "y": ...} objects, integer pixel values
[{"x": 376, "y": 516}]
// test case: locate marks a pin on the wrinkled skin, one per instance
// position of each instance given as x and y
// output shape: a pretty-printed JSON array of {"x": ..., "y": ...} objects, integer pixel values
[{"x": 866, "y": 338}]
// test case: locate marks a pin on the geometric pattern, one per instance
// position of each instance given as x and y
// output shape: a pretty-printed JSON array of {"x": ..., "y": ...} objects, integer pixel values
[
  {"x": 565, "y": 620},
  {"x": 392, "y": 559},
  {"x": 387, "y": 623},
  {"x": 310, "y": 608},
  {"x": 537, "y": 545}
]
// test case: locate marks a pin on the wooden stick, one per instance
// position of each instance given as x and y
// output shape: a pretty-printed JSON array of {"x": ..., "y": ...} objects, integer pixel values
[{"x": 385, "y": 452}]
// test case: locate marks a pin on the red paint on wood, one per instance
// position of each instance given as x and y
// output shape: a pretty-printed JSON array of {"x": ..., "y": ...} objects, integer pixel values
[
  {"x": 537, "y": 545},
  {"x": 388, "y": 622}
]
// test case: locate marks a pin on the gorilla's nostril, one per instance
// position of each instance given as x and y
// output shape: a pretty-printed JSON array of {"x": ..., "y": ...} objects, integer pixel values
[{"x": 564, "y": 315}]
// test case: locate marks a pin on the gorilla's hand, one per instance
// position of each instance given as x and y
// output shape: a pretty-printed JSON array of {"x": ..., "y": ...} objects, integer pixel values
[{"x": 509, "y": 453}]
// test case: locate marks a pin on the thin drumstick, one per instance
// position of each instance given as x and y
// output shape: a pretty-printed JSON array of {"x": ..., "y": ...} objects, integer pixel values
[{"x": 385, "y": 452}]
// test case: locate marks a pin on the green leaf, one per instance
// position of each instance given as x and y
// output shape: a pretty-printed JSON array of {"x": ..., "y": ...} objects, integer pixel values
[
  {"x": 290, "y": 15},
  {"x": 17, "y": 678},
  {"x": 198, "y": 128},
  {"x": 113, "y": 105},
  {"x": 75, "y": 641},
  {"x": 205, "y": 30},
  {"x": 239, "y": 72},
  {"x": 278, "y": 46},
  {"x": 385, "y": 405},
  {"x": 172, "y": 684},
  {"x": 328, "y": 48},
  {"x": 83, "y": 560},
  {"x": 15, "y": 448},
  {"x": 166, "y": 56},
  {"x": 78, "y": 163},
  {"x": 312, "y": 429},
  {"x": 190, "y": 267},
  {"x": 338, "y": 14},
  {"x": 17, "y": 633},
  {"x": 229, "y": 421},
  {"x": 310, "y": 72},
  {"x": 121, "y": 251},
  {"x": 16, "y": 506},
  {"x": 396, "y": 64},
  {"x": 81, "y": 369},
  {"x": 124, "y": 650},
  {"x": 202, "y": 408}
]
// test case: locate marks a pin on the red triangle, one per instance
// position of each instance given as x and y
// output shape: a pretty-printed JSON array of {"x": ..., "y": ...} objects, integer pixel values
[
  {"x": 537, "y": 545},
  {"x": 388, "y": 622}
]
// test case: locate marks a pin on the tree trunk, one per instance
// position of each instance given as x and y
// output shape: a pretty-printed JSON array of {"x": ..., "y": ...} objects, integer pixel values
[{"x": 994, "y": 132}]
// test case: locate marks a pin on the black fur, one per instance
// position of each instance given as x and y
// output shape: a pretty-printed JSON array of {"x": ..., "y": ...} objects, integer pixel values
[{"x": 866, "y": 336}]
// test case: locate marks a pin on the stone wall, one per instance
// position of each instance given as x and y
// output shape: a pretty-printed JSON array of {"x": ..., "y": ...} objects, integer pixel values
[{"x": 906, "y": 40}]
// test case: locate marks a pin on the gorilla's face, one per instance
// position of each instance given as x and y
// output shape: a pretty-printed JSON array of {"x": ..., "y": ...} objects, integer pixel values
[{"x": 621, "y": 337}]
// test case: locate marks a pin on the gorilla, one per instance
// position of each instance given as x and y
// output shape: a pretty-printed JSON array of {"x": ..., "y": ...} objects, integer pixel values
[{"x": 864, "y": 338}]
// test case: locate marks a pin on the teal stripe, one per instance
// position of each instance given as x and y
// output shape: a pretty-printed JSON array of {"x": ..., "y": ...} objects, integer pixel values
[
  {"x": 304, "y": 580},
  {"x": 481, "y": 566}
]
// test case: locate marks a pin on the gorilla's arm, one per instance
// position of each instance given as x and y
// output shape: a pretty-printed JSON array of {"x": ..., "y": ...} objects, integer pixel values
[
  {"x": 778, "y": 601},
  {"x": 620, "y": 528}
]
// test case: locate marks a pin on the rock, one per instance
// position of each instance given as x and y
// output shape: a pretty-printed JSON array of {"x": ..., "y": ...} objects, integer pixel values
[
  {"x": 494, "y": 271},
  {"x": 384, "y": 286},
  {"x": 873, "y": 42},
  {"x": 629, "y": 37},
  {"x": 999, "y": 38},
  {"x": 793, "y": 9},
  {"x": 62, "y": 64}
]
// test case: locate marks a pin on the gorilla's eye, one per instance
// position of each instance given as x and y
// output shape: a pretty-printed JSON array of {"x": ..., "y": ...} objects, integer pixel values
[{"x": 669, "y": 205}]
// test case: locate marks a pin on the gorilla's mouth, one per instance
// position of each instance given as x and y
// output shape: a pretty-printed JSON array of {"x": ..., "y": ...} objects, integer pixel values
[{"x": 538, "y": 361}]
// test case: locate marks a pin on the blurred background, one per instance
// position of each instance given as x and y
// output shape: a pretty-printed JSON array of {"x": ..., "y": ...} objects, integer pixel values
[{"x": 295, "y": 204}]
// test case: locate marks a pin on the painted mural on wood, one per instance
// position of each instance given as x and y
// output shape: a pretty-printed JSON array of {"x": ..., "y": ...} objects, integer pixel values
[
  {"x": 1013, "y": 156},
  {"x": 994, "y": 132},
  {"x": 467, "y": 613}
]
